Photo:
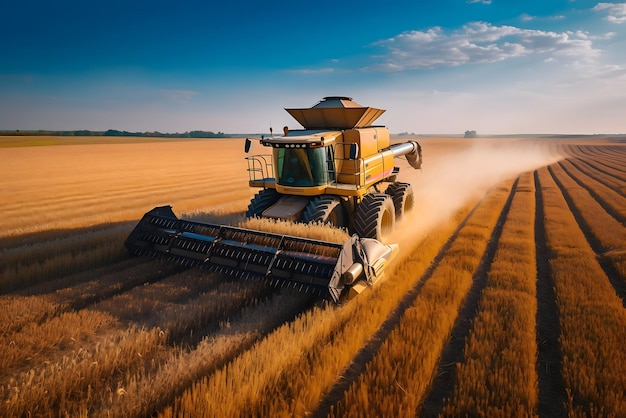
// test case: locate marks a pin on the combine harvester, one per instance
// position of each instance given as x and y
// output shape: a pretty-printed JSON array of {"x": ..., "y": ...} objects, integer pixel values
[{"x": 330, "y": 172}]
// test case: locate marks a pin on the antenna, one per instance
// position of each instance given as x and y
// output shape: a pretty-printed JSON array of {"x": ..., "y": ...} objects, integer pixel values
[{"x": 271, "y": 131}]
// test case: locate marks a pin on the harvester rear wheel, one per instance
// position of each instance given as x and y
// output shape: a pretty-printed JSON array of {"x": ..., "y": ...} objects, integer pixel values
[
  {"x": 402, "y": 196},
  {"x": 261, "y": 201},
  {"x": 375, "y": 216},
  {"x": 325, "y": 209}
]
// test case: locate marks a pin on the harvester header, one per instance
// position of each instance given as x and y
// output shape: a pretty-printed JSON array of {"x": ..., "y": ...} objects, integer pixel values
[{"x": 325, "y": 268}]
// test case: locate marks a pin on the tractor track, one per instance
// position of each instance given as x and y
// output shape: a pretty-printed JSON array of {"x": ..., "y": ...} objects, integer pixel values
[
  {"x": 609, "y": 269},
  {"x": 369, "y": 350},
  {"x": 600, "y": 158},
  {"x": 611, "y": 163},
  {"x": 607, "y": 178},
  {"x": 443, "y": 382},
  {"x": 552, "y": 395},
  {"x": 610, "y": 209}
]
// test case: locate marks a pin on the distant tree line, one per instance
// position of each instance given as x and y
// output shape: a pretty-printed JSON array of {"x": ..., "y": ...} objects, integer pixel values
[{"x": 114, "y": 132}]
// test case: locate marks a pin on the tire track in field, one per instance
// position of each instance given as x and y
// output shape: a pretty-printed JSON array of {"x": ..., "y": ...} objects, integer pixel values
[
  {"x": 597, "y": 165},
  {"x": 369, "y": 350},
  {"x": 612, "y": 161},
  {"x": 595, "y": 244},
  {"x": 610, "y": 180},
  {"x": 443, "y": 382},
  {"x": 610, "y": 155},
  {"x": 610, "y": 209},
  {"x": 552, "y": 395},
  {"x": 600, "y": 172}
]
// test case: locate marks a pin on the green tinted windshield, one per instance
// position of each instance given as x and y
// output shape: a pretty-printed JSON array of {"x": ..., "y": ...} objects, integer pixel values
[{"x": 301, "y": 166}]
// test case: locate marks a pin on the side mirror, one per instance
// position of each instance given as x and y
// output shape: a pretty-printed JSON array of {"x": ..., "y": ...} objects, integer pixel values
[
  {"x": 354, "y": 151},
  {"x": 247, "y": 145}
]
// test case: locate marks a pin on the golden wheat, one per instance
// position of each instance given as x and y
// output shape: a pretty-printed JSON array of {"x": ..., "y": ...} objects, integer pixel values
[
  {"x": 398, "y": 376},
  {"x": 593, "y": 320},
  {"x": 498, "y": 376}
]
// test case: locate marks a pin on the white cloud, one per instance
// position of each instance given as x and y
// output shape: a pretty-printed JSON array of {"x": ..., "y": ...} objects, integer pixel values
[
  {"x": 616, "y": 11},
  {"x": 479, "y": 1},
  {"x": 179, "y": 96},
  {"x": 477, "y": 42},
  {"x": 526, "y": 17}
]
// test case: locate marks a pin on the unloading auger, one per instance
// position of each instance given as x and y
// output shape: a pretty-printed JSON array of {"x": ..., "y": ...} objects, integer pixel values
[{"x": 335, "y": 271}]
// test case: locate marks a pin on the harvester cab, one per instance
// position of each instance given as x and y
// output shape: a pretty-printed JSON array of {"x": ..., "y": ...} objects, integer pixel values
[{"x": 331, "y": 172}]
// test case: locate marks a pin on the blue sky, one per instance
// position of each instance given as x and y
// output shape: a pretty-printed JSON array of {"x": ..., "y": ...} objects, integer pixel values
[{"x": 494, "y": 66}]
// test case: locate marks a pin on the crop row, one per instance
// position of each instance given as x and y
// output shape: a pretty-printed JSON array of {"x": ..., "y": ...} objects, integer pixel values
[
  {"x": 397, "y": 379},
  {"x": 497, "y": 376},
  {"x": 291, "y": 369},
  {"x": 606, "y": 235},
  {"x": 82, "y": 359},
  {"x": 592, "y": 318}
]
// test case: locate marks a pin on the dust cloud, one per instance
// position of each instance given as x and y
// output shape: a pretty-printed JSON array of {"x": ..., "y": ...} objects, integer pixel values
[{"x": 454, "y": 175}]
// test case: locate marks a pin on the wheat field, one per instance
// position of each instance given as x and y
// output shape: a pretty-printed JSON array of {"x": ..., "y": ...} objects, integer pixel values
[{"x": 507, "y": 298}]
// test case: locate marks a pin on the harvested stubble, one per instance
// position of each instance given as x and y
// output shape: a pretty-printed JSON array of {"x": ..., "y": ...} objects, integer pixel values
[
  {"x": 592, "y": 318},
  {"x": 497, "y": 376}
]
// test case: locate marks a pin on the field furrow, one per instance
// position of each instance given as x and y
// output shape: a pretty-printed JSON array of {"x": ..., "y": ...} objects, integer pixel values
[
  {"x": 604, "y": 234},
  {"x": 610, "y": 179},
  {"x": 591, "y": 315},
  {"x": 399, "y": 375},
  {"x": 611, "y": 201},
  {"x": 611, "y": 160},
  {"x": 365, "y": 355},
  {"x": 552, "y": 393},
  {"x": 453, "y": 353},
  {"x": 494, "y": 370}
]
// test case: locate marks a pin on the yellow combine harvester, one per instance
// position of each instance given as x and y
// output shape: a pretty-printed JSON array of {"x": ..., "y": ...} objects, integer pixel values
[{"x": 332, "y": 171}]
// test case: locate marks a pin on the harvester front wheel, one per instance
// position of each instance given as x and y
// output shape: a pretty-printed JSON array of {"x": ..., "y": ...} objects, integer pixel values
[
  {"x": 402, "y": 196},
  {"x": 261, "y": 201},
  {"x": 325, "y": 209},
  {"x": 375, "y": 216}
]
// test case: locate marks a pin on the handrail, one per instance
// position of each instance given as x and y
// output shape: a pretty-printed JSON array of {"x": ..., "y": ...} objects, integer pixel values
[{"x": 259, "y": 168}]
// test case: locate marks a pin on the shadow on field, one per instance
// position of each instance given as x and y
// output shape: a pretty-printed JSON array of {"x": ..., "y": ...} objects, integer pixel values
[{"x": 43, "y": 262}]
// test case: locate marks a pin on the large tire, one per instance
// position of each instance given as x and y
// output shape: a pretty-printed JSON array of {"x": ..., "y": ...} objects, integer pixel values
[
  {"x": 375, "y": 216},
  {"x": 325, "y": 209},
  {"x": 261, "y": 201},
  {"x": 402, "y": 196}
]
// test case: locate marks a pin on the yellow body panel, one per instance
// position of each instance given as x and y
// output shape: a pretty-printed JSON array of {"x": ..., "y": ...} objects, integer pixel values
[{"x": 369, "y": 140}]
